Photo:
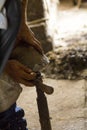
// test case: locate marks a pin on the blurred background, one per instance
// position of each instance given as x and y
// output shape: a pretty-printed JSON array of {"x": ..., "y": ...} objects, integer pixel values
[{"x": 61, "y": 27}]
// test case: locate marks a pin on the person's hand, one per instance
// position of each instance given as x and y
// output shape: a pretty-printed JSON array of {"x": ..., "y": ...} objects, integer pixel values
[{"x": 20, "y": 73}]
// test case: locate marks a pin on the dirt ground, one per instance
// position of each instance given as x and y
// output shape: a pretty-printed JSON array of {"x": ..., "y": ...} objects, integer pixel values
[{"x": 67, "y": 105}]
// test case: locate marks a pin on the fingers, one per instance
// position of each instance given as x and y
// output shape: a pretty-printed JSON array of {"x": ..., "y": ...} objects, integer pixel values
[
  {"x": 20, "y": 73},
  {"x": 28, "y": 76},
  {"x": 27, "y": 83},
  {"x": 27, "y": 73}
]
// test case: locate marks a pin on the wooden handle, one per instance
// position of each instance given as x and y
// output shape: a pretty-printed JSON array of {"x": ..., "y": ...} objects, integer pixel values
[{"x": 45, "y": 88}]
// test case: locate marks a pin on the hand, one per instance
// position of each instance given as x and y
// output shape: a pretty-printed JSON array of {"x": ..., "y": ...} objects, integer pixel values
[{"x": 20, "y": 73}]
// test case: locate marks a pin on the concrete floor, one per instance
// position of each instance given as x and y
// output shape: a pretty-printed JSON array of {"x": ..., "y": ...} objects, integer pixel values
[{"x": 67, "y": 105}]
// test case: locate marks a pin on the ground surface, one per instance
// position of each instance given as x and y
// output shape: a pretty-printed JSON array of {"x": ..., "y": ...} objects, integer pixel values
[{"x": 68, "y": 104}]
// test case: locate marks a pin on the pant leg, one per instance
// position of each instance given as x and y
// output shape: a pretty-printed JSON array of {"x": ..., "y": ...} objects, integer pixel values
[{"x": 13, "y": 119}]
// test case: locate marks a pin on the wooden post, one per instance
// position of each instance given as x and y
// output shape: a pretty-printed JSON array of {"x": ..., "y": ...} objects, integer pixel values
[
  {"x": 77, "y": 2},
  {"x": 43, "y": 110}
]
